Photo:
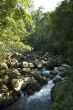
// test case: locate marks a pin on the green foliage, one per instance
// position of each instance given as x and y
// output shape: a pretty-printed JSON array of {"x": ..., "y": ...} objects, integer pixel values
[
  {"x": 63, "y": 95},
  {"x": 15, "y": 23},
  {"x": 70, "y": 52},
  {"x": 42, "y": 31},
  {"x": 53, "y": 31}
]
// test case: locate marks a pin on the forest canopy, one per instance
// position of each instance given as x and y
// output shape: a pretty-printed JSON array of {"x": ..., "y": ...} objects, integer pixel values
[{"x": 23, "y": 29}]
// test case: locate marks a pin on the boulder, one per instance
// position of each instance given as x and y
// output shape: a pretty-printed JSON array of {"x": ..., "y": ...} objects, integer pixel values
[
  {"x": 3, "y": 66},
  {"x": 15, "y": 55},
  {"x": 14, "y": 73},
  {"x": 45, "y": 72},
  {"x": 20, "y": 84},
  {"x": 4, "y": 88},
  {"x": 14, "y": 63},
  {"x": 24, "y": 64},
  {"x": 42, "y": 81},
  {"x": 62, "y": 74},
  {"x": 40, "y": 65},
  {"x": 43, "y": 61},
  {"x": 53, "y": 72},
  {"x": 25, "y": 70},
  {"x": 53, "y": 62},
  {"x": 5, "y": 97},
  {"x": 31, "y": 65},
  {"x": 57, "y": 79},
  {"x": 25, "y": 84},
  {"x": 8, "y": 98},
  {"x": 61, "y": 69},
  {"x": 2, "y": 99},
  {"x": 48, "y": 73},
  {"x": 17, "y": 84},
  {"x": 66, "y": 66},
  {"x": 33, "y": 86}
]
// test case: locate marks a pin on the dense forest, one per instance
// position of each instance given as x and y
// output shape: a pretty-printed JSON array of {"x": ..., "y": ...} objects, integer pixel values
[
  {"x": 54, "y": 30},
  {"x": 51, "y": 29},
  {"x": 24, "y": 30}
]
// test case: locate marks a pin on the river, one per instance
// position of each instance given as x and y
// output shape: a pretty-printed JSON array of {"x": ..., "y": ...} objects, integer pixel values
[{"x": 39, "y": 100}]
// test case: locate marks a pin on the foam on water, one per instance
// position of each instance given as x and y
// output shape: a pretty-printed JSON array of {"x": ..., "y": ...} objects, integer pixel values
[
  {"x": 41, "y": 99},
  {"x": 43, "y": 93}
]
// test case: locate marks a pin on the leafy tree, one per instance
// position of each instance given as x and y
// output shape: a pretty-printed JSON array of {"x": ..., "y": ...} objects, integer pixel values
[{"x": 15, "y": 23}]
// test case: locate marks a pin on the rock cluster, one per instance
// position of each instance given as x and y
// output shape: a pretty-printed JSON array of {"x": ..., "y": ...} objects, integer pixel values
[{"x": 26, "y": 72}]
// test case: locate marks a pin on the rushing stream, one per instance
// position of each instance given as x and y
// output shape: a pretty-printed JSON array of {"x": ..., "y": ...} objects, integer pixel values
[{"x": 39, "y": 100}]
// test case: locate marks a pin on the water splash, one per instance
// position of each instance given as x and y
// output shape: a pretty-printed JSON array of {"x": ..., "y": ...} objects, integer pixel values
[{"x": 40, "y": 100}]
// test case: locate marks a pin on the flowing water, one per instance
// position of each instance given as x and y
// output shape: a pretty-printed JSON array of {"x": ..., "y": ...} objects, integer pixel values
[
  {"x": 41, "y": 99},
  {"x": 38, "y": 101}
]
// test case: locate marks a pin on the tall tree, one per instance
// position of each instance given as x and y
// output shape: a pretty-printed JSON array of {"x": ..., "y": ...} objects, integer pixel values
[{"x": 15, "y": 23}]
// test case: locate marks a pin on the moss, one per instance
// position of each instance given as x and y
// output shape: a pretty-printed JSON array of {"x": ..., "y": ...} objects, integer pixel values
[{"x": 63, "y": 95}]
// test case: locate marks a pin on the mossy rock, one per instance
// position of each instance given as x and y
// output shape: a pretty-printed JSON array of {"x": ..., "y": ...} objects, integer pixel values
[
  {"x": 62, "y": 94},
  {"x": 4, "y": 80},
  {"x": 3, "y": 66}
]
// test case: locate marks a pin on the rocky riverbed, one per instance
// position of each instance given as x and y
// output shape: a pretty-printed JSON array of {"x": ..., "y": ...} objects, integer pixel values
[{"x": 26, "y": 79}]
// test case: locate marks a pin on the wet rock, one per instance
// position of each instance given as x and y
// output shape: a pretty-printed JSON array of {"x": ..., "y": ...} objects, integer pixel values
[
  {"x": 45, "y": 72},
  {"x": 33, "y": 86},
  {"x": 66, "y": 66},
  {"x": 57, "y": 79},
  {"x": 61, "y": 69},
  {"x": 25, "y": 84},
  {"x": 48, "y": 73},
  {"x": 62, "y": 74},
  {"x": 53, "y": 72},
  {"x": 22, "y": 73},
  {"x": 42, "y": 81},
  {"x": 49, "y": 65}
]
